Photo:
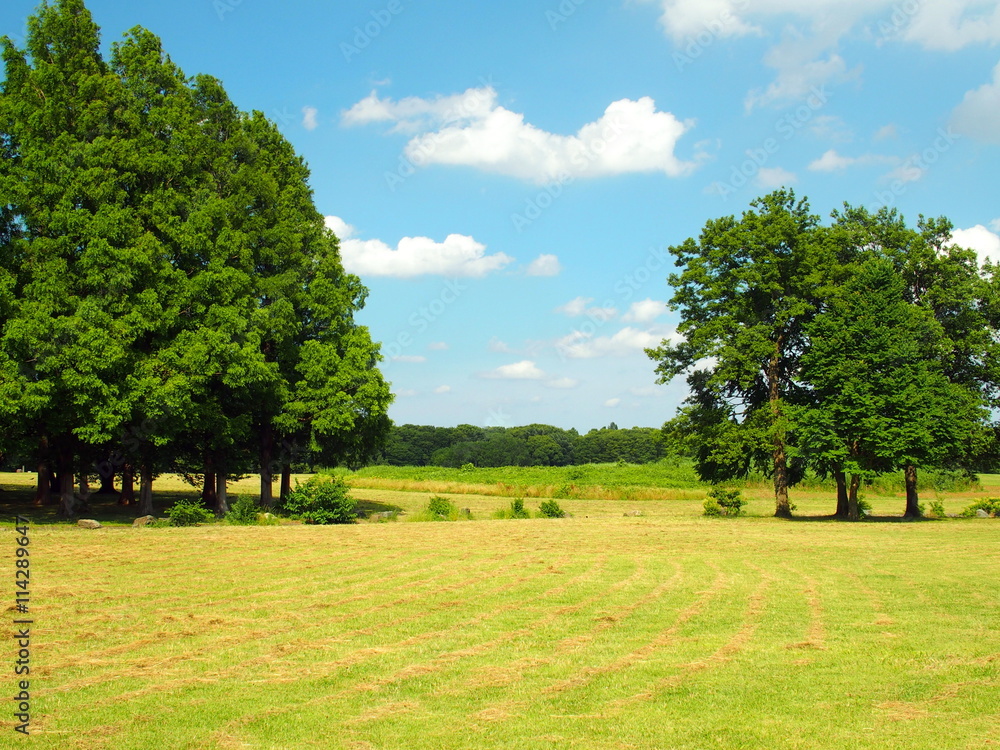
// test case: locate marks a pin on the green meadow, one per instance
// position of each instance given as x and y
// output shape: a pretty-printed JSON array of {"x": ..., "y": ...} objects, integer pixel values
[{"x": 605, "y": 629}]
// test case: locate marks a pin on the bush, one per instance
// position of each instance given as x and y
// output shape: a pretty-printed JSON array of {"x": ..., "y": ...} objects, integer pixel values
[
  {"x": 441, "y": 508},
  {"x": 321, "y": 500},
  {"x": 188, "y": 513},
  {"x": 937, "y": 510},
  {"x": 243, "y": 512},
  {"x": 864, "y": 508},
  {"x": 468, "y": 467},
  {"x": 517, "y": 509},
  {"x": 550, "y": 509},
  {"x": 990, "y": 505},
  {"x": 712, "y": 507},
  {"x": 722, "y": 502}
]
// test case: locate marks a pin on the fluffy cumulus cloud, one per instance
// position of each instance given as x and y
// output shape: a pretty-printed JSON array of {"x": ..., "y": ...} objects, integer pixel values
[
  {"x": 523, "y": 370},
  {"x": 545, "y": 265},
  {"x": 612, "y": 402},
  {"x": 629, "y": 340},
  {"x": 986, "y": 243},
  {"x": 645, "y": 311},
  {"x": 978, "y": 115},
  {"x": 457, "y": 256},
  {"x": 472, "y": 129}
]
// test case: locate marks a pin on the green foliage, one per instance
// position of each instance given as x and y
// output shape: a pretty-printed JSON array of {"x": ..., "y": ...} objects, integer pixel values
[
  {"x": 551, "y": 509},
  {"x": 187, "y": 513},
  {"x": 468, "y": 467},
  {"x": 516, "y": 510},
  {"x": 722, "y": 502},
  {"x": 990, "y": 505},
  {"x": 712, "y": 507},
  {"x": 936, "y": 510},
  {"x": 864, "y": 508},
  {"x": 243, "y": 511},
  {"x": 441, "y": 508},
  {"x": 323, "y": 499}
]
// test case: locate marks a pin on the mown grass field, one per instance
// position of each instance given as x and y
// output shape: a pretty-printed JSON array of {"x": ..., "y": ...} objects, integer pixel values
[{"x": 667, "y": 630}]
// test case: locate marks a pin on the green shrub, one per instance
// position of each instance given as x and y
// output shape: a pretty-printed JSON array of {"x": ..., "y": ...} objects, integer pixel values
[
  {"x": 550, "y": 509},
  {"x": 712, "y": 507},
  {"x": 990, "y": 505},
  {"x": 321, "y": 500},
  {"x": 468, "y": 467},
  {"x": 243, "y": 512},
  {"x": 729, "y": 502},
  {"x": 864, "y": 508},
  {"x": 517, "y": 509},
  {"x": 188, "y": 513},
  {"x": 441, "y": 507},
  {"x": 936, "y": 509}
]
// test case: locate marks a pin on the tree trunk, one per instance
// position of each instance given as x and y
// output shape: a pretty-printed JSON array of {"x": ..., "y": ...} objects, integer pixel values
[
  {"x": 286, "y": 480},
  {"x": 67, "y": 502},
  {"x": 106, "y": 471},
  {"x": 852, "y": 499},
  {"x": 912, "y": 500},
  {"x": 145, "y": 490},
  {"x": 221, "y": 508},
  {"x": 43, "y": 488},
  {"x": 841, "y": 493},
  {"x": 782, "y": 508},
  {"x": 84, "y": 485},
  {"x": 127, "y": 496},
  {"x": 208, "y": 486},
  {"x": 266, "y": 477}
]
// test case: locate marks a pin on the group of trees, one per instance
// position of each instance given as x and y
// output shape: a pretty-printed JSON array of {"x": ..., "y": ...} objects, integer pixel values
[
  {"x": 848, "y": 350},
  {"x": 532, "y": 445},
  {"x": 169, "y": 295}
]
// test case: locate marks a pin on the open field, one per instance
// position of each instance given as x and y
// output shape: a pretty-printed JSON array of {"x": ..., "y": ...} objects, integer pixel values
[{"x": 667, "y": 630}]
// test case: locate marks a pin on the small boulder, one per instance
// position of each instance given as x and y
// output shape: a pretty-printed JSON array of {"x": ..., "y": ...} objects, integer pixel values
[
  {"x": 982, "y": 514},
  {"x": 88, "y": 523},
  {"x": 143, "y": 521},
  {"x": 634, "y": 513}
]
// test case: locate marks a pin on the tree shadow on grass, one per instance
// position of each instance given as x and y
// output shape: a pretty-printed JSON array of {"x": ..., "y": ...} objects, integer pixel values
[{"x": 102, "y": 508}]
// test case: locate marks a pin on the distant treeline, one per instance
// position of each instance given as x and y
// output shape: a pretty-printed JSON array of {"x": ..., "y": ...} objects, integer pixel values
[{"x": 533, "y": 445}]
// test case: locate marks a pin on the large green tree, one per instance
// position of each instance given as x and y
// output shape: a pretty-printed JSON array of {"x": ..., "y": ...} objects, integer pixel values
[
  {"x": 745, "y": 291},
  {"x": 881, "y": 398}
]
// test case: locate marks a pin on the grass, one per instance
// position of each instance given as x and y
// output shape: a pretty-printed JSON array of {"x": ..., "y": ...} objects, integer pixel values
[{"x": 599, "y": 631}]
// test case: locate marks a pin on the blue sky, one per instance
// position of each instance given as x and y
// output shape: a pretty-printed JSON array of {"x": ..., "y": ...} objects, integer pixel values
[{"x": 506, "y": 177}]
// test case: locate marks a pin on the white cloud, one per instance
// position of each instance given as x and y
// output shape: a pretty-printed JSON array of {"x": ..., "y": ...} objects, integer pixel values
[
  {"x": 578, "y": 306},
  {"x": 580, "y": 345},
  {"x": 496, "y": 345},
  {"x": 309, "y": 115},
  {"x": 410, "y": 358},
  {"x": 437, "y": 346},
  {"x": 685, "y": 20},
  {"x": 458, "y": 255},
  {"x": 950, "y": 25},
  {"x": 612, "y": 402},
  {"x": 982, "y": 240},
  {"x": 769, "y": 178},
  {"x": 645, "y": 311},
  {"x": 523, "y": 370},
  {"x": 406, "y": 393},
  {"x": 441, "y": 389},
  {"x": 545, "y": 265},
  {"x": 978, "y": 115},
  {"x": 831, "y": 128},
  {"x": 907, "y": 172},
  {"x": 563, "y": 383},
  {"x": 471, "y": 129},
  {"x": 831, "y": 161},
  {"x": 995, "y": 225},
  {"x": 645, "y": 391}
]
